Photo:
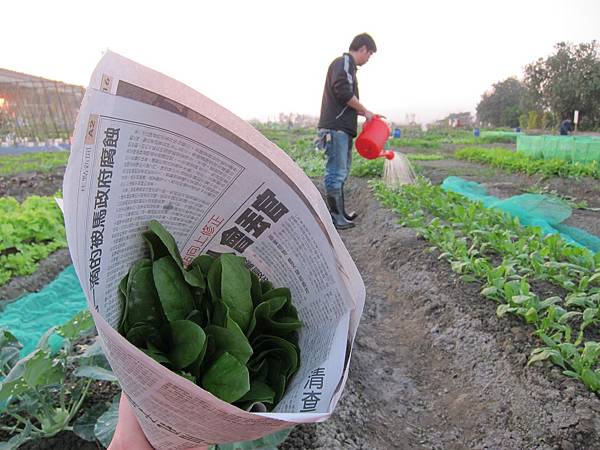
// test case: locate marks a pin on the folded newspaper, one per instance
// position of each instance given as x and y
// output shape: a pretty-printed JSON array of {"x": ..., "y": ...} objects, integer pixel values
[{"x": 148, "y": 147}]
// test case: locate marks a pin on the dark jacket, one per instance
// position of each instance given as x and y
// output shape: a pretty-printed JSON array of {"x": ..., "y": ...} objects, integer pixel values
[
  {"x": 565, "y": 127},
  {"x": 340, "y": 86}
]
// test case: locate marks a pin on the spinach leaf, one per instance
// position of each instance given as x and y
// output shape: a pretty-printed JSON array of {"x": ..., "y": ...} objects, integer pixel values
[
  {"x": 198, "y": 317},
  {"x": 187, "y": 341},
  {"x": 280, "y": 355},
  {"x": 265, "y": 286},
  {"x": 162, "y": 244},
  {"x": 203, "y": 262},
  {"x": 195, "y": 277},
  {"x": 220, "y": 313},
  {"x": 268, "y": 320},
  {"x": 255, "y": 290},
  {"x": 165, "y": 244},
  {"x": 227, "y": 378},
  {"x": 230, "y": 340},
  {"x": 174, "y": 294},
  {"x": 138, "y": 334},
  {"x": 288, "y": 310},
  {"x": 259, "y": 393},
  {"x": 157, "y": 248},
  {"x": 157, "y": 356},
  {"x": 229, "y": 280},
  {"x": 122, "y": 293},
  {"x": 142, "y": 299}
]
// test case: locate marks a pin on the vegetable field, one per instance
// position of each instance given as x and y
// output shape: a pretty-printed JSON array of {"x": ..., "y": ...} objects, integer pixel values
[{"x": 478, "y": 332}]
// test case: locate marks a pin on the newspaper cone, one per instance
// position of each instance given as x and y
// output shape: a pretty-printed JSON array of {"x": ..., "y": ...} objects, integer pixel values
[
  {"x": 148, "y": 147},
  {"x": 398, "y": 171}
]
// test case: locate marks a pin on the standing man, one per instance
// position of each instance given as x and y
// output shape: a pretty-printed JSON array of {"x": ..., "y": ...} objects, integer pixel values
[
  {"x": 566, "y": 126},
  {"x": 338, "y": 123}
]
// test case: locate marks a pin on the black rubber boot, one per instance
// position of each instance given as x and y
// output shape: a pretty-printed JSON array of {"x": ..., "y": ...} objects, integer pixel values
[
  {"x": 348, "y": 215},
  {"x": 335, "y": 201}
]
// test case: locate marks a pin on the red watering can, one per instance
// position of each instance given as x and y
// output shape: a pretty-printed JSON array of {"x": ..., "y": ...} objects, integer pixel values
[{"x": 372, "y": 138}]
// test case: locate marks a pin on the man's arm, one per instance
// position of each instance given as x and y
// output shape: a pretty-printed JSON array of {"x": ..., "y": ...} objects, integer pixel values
[
  {"x": 343, "y": 89},
  {"x": 360, "y": 109}
]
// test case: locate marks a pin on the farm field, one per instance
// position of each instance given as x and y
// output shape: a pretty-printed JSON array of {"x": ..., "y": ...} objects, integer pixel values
[{"x": 436, "y": 364}]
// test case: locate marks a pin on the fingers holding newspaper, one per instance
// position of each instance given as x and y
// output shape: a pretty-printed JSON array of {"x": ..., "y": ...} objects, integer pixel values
[{"x": 128, "y": 434}]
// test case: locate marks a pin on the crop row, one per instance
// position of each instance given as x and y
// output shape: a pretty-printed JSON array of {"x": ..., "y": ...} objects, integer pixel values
[
  {"x": 519, "y": 162},
  {"x": 510, "y": 260},
  {"x": 42, "y": 393},
  {"x": 433, "y": 140},
  {"x": 38, "y": 161},
  {"x": 30, "y": 232}
]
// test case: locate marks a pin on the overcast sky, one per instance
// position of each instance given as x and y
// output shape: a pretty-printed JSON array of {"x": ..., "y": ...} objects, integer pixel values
[{"x": 259, "y": 58}]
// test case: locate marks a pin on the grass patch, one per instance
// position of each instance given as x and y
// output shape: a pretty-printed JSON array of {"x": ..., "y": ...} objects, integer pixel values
[
  {"x": 32, "y": 162},
  {"x": 30, "y": 231},
  {"x": 518, "y": 162},
  {"x": 424, "y": 156}
]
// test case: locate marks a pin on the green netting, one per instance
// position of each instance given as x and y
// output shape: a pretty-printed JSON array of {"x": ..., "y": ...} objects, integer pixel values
[
  {"x": 29, "y": 317},
  {"x": 534, "y": 210},
  {"x": 583, "y": 149}
]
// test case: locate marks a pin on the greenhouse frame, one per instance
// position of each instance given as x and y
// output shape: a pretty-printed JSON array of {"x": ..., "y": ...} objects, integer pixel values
[{"x": 36, "y": 109}]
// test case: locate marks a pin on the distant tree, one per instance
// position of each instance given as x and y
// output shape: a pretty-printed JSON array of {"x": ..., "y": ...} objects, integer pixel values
[
  {"x": 568, "y": 80},
  {"x": 510, "y": 117},
  {"x": 523, "y": 121},
  {"x": 547, "y": 120},
  {"x": 533, "y": 120},
  {"x": 500, "y": 106}
]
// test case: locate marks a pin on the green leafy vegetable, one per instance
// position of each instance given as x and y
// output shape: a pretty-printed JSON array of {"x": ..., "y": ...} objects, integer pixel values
[
  {"x": 214, "y": 323},
  {"x": 227, "y": 378}
]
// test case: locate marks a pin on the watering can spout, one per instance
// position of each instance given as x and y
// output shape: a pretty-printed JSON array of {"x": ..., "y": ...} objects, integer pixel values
[{"x": 371, "y": 141}]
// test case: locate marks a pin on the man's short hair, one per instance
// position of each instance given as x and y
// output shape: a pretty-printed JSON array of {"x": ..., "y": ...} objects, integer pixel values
[{"x": 363, "y": 39}]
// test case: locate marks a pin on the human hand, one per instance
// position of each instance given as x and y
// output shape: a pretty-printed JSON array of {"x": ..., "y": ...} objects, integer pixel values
[
  {"x": 368, "y": 114},
  {"x": 128, "y": 434}
]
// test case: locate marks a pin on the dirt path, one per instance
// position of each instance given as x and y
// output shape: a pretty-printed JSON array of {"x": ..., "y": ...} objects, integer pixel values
[{"x": 434, "y": 368}]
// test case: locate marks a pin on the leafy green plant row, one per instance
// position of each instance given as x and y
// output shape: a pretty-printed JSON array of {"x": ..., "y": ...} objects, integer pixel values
[
  {"x": 518, "y": 162},
  {"x": 43, "y": 392},
  {"x": 424, "y": 156},
  {"x": 437, "y": 140},
  {"x": 29, "y": 162},
  {"x": 30, "y": 231},
  {"x": 473, "y": 239},
  {"x": 548, "y": 258}
]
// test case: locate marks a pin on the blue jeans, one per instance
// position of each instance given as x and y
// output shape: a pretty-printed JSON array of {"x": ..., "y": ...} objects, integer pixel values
[{"x": 338, "y": 148}]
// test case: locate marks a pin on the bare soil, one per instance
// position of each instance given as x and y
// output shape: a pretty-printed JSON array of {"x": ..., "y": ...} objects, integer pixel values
[
  {"x": 433, "y": 367},
  {"x": 31, "y": 183}
]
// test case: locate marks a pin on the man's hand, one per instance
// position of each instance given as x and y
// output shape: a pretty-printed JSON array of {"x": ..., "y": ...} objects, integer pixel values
[
  {"x": 128, "y": 434},
  {"x": 368, "y": 114}
]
